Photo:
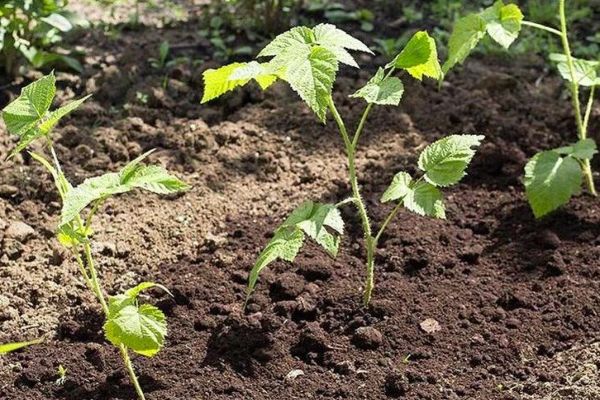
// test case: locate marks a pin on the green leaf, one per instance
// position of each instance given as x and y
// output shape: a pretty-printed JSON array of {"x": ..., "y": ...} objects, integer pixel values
[
  {"x": 425, "y": 199},
  {"x": 55, "y": 116},
  {"x": 313, "y": 219},
  {"x": 419, "y": 57},
  {"x": 381, "y": 90},
  {"x": 218, "y": 81},
  {"x": 30, "y": 107},
  {"x": 134, "y": 175},
  {"x": 583, "y": 150},
  {"x": 467, "y": 33},
  {"x": 309, "y": 218},
  {"x": 155, "y": 179},
  {"x": 445, "y": 161},
  {"x": 58, "y": 21},
  {"x": 311, "y": 73},
  {"x": 90, "y": 190},
  {"x": 503, "y": 22},
  {"x": 324, "y": 35},
  {"x": 295, "y": 37},
  {"x": 10, "y": 347},
  {"x": 257, "y": 71},
  {"x": 285, "y": 245},
  {"x": 69, "y": 237},
  {"x": 338, "y": 42},
  {"x": 551, "y": 181},
  {"x": 139, "y": 328},
  {"x": 399, "y": 187},
  {"x": 585, "y": 71},
  {"x": 134, "y": 292}
]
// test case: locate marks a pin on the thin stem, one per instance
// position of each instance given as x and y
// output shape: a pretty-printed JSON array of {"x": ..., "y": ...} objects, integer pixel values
[
  {"x": 387, "y": 221},
  {"x": 132, "y": 377},
  {"x": 588, "y": 109},
  {"x": 365, "y": 114},
  {"x": 360, "y": 205},
  {"x": 82, "y": 269},
  {"x": 573, "y": 82},
  {"x": 581, "y": 128},
  {"x": 542, "y": 27}
]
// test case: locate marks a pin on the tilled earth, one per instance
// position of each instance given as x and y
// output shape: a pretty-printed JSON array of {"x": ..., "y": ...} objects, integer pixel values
[{"x": 513, "y": 302}]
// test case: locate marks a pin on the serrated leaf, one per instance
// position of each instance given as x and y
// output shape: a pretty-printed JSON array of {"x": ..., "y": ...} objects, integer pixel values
[
  {"x": 285, "y": 245},
  {"x": 425, "y": 199},
  {"x": 467, "y": 33},
  {"x": 261, "y": 73},
  {"x": 134, "y": 292},
  {"x": 381, "y": 90},
  {"x": 313, "y": 219},
  {"x": 139, "y": 328},
  {"x": 503, "y": 22},
  {"x": 296, "y": 36},
  {"x": 551, "y": 181},
  {"x": 69, "y": 237},
  {"x": 399, "y": 187},
  {"x": 324, "y": 35},
  {"x": 337, "y": 41},
  {"x": 309, "y": 218},
  {"x": 310, "y": 71},
  {"x": 55, "y": 116},
  {"x": 445, "y": 161},
  {"x": 583, "y": 150},
  {"x": 218, "y": 81},
  {"x": 30, "y": 107},
  {"x": 134, "y": 175},
  {"x": 90, "y": 190},
  {"x": 585, "y": 71},
  {"x": 155, "y": 179},
  {"x": 10, "y": 347},
  {"x": 419, "y": 57}
]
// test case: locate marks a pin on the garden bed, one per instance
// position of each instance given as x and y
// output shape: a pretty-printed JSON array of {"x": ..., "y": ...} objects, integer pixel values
[{"x": 514, "y": 301}]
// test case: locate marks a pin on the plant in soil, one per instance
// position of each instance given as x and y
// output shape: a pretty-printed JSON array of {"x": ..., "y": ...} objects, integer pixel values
[
  {"x": 308, "y": 59},
  {"x": 553, "y": 176},
  {"x": 29, "y": 27},
  {"x": 129, "y": 325}
]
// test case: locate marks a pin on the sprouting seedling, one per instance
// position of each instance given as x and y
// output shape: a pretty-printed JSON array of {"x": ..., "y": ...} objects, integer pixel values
[
  {"x": 62, "y": 375},
  {"x": 552, "y": 177},
  {"x": 308, "y": 60},
  {"x": 129, "y": 326}
]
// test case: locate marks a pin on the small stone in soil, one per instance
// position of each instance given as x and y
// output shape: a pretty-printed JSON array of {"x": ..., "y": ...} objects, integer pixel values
[
  {"x": 8, "y": 191},
  {"x": 367, "y": 337},
  {"x": 430, "y": 325},
  {"x": 19, "y": 231},
  {"x": 549, "y": 239},
  {"x": 293, "y": 374}
]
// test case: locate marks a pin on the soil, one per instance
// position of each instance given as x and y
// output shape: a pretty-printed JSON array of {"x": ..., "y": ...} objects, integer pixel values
[{"x": 488, "y": 304}]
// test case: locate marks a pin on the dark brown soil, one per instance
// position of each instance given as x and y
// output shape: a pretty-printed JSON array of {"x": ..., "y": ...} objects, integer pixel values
[{"x": 516, "y": 300}]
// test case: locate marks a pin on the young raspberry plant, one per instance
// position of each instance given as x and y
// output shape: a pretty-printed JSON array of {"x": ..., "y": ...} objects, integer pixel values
[
  {"x": 308, "y": 59},
  {"x": 129, "y": 325},
  {"x": 552, "y": 177}
]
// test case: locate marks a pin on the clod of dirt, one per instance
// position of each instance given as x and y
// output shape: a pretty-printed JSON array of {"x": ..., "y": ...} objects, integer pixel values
[
  {"x": 430, "y": 325},
  {"x": 8, "y": 191},
  {"x": 313, "y": 344},
  {"x": 12, "y": 249},
  {"x": 549, "y": 239},
  {"x": 19, "y": 231},
  {"x": 556, "y": 265},
  {"x": 367, "y": 337},
  {"x": 396, "y": 385},
  {"x": 288, "y": 286},
  {"x": 471, "y": 254}
]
